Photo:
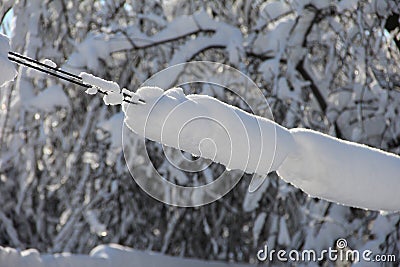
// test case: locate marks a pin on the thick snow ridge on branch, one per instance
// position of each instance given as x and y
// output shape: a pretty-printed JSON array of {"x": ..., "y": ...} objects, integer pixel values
[
  {"x": 322, "y": 166},
  {"x": 207, "y": 127}
]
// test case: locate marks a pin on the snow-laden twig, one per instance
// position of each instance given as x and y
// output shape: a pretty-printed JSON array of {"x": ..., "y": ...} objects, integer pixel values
[{"x": 111, "y": 90}]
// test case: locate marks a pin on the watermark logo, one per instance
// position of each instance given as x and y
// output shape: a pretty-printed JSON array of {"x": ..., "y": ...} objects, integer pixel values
[
  {"x": 341, "y": 243},
  {"x": 340, "y": 253},
  {"x": 197, "y": 74}
]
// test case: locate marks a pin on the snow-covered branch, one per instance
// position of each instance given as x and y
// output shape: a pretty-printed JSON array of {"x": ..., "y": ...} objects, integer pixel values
[
  {"x": 7, "y": 69},
  {"x": 338, "y": 171},
  {"x": 61, "y": 149}
]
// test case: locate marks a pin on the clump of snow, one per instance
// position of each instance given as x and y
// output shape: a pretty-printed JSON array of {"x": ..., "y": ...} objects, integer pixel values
[
  {"x": 205, "y": 126},
  {"x": 49, "y": 99},
  {"x": 96, "y": 47},
  {"x": 113, "y": 98},
  {"x": 104, "y": 85},
  {"x": 7, "y": 69},
  {"x": 112, "y": 91},
  {"x": 349, "y": 5},
  {"x": 49, "y": 63},
  {"x": 342, "y": 171},
  {"x": 91, "y": 91},
  {"x": 271, "y": 41}
]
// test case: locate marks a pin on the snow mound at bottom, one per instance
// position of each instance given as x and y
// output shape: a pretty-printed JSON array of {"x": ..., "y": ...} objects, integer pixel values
[{"x": 100, "y": 256}]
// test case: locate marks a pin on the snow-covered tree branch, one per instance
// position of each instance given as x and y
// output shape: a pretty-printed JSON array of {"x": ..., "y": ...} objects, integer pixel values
[{"x": 328, "y": 66}]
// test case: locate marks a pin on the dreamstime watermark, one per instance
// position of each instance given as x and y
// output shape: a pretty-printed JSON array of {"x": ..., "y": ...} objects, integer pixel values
[
  {"x": 340, "y": 253},
  {"x": 210, "y": 75}
]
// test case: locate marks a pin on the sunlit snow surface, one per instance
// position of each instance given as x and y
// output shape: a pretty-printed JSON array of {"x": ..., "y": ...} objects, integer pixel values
[
  {"x": 111, "y": 89},
  {"x": 204, "y": 126},
  {"x": 344, "y": 172},
  {"x": 324, "y": 167},
  {"x": 49, "y": 63}
]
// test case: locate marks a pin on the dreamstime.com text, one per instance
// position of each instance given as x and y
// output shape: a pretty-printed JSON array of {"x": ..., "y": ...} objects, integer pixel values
[{"x": 340, "y": 253}]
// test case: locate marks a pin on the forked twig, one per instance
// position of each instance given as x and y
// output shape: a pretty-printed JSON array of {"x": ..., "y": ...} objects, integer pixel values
[{"x": 59, "y": 73}]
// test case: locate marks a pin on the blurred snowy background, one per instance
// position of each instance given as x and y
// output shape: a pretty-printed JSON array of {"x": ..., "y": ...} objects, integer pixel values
[{"x": 331, "y": 66}]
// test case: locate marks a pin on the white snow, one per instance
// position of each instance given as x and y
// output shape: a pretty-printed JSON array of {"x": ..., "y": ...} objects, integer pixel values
[
  {"x": 205, "y": 126},
  {"x": 95, "y": 47},
  {"x": 49, "y": 99},
  {"x": 91, "y": 91},
  {"x": 101, "y": 256},
  {"x": 344, "y": 172},
  {"x": 130, "y": 96},
  {"x": 50, "y": 63},
  {"x": 272, "y": 10},
  {"x": 113, "y": 94},
  {"x": 7, "y": 69},
  {"x": 324, "y": 167},
  {"x": 113, "y": 98},
  {"x": 113, "y": 126},
  {"x": 104, "y": 85},
  {"x": 271, "y": 41}
]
